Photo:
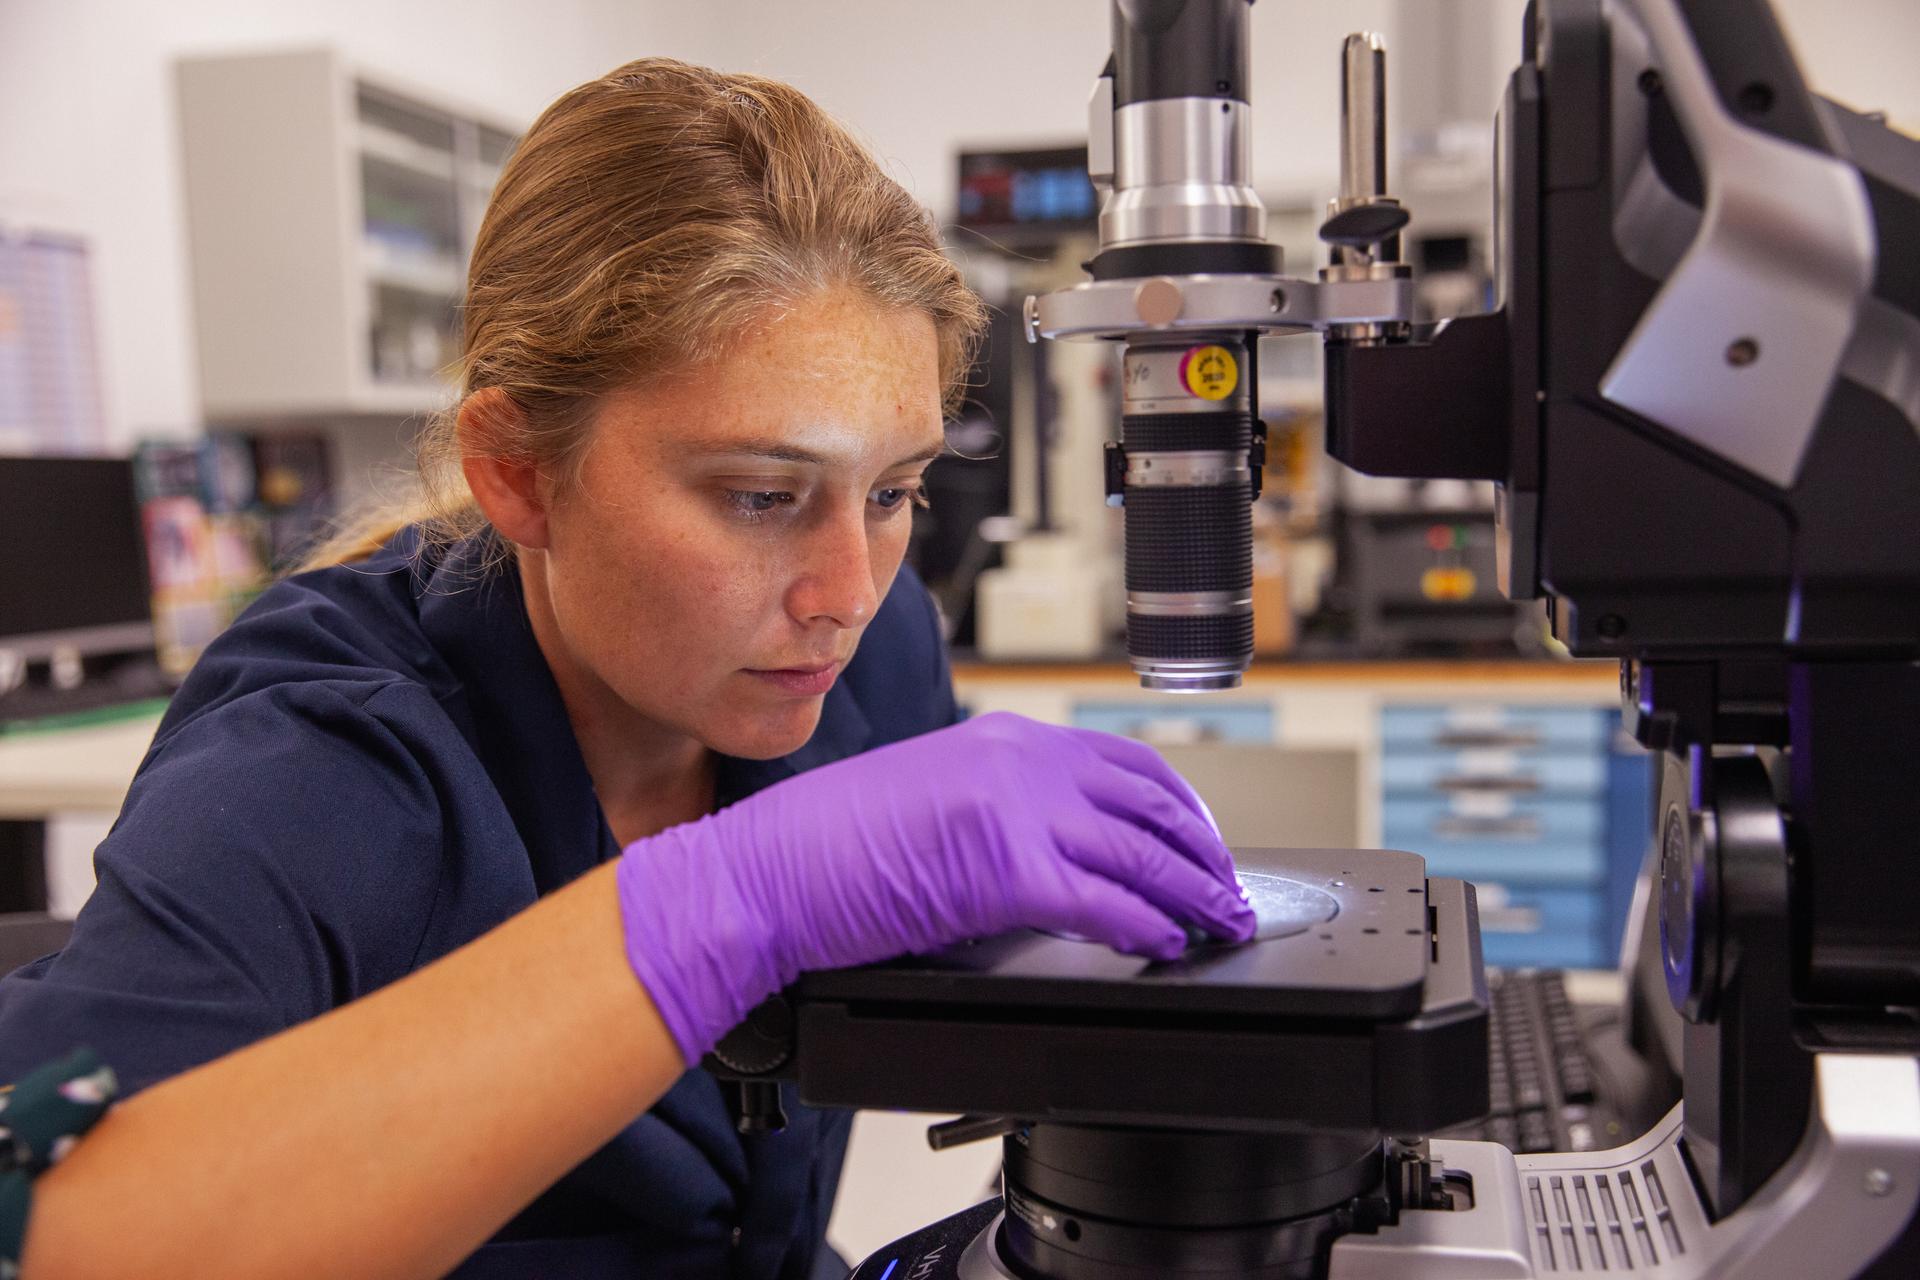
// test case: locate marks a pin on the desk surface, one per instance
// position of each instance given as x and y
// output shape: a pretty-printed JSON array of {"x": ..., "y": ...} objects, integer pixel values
[{"x": 71, "y": 770}]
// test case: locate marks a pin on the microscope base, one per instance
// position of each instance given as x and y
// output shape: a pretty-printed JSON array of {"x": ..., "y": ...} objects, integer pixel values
[{"x": 1848, "y": 1195}]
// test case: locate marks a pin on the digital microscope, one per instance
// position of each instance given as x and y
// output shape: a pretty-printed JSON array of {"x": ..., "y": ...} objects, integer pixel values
[{"x": 1698, "y": 396}]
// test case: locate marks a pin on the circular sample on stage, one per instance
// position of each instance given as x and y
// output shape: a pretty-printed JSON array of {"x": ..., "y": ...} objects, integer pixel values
[
  {"x": 1285, "y": 906},
  {"x": 1281, "y": 906}
]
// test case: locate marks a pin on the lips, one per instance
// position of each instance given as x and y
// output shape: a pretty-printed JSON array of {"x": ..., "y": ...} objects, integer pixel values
[{"x": 801, "y": 681}]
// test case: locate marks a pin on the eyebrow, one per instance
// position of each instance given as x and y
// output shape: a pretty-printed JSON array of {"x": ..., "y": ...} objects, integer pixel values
[{"x": 781, "y": 451}]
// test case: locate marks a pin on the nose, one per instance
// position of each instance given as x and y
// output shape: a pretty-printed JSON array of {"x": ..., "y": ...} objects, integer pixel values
[{"x": 835, "y": 582}]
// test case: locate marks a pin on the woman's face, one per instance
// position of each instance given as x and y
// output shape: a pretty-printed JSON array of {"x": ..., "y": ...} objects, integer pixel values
[{"x": 735, "y": 528}]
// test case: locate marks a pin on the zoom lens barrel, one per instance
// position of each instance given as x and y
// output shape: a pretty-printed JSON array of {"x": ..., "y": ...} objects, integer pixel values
[{"x": 1186, "y": 431}]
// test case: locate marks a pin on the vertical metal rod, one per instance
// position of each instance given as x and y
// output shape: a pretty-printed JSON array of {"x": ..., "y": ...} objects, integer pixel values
[{"x": 1363, "y": 116}]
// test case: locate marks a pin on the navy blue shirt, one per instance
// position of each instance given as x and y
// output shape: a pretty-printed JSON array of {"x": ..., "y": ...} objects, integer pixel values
[{"x": 371, "y": 767}]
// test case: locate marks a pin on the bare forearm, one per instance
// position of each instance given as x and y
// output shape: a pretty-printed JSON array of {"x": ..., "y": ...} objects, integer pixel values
[{"x": 388, "y": 1138}]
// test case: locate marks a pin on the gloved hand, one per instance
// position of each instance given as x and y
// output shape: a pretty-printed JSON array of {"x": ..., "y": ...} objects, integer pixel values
[{"x": 994, "y": 824}]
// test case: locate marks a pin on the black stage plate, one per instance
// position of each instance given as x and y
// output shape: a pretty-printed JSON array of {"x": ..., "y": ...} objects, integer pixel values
[{"x": 1344, "y": 934}]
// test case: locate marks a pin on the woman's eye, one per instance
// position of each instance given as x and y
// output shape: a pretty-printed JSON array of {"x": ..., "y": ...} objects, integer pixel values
[
  {"x": 890, "y": 499},
  {"x": 758, "y": 502}
]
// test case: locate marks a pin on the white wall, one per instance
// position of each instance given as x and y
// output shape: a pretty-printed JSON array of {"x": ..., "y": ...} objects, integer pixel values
[
  {"x": 87, "y": 140},
  {"x": 1862, "y": 53},
  {"x": 919, "y": 80}
]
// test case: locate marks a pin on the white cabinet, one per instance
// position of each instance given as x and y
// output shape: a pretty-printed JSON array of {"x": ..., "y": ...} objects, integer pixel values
[{"x": 330, "y": 214}]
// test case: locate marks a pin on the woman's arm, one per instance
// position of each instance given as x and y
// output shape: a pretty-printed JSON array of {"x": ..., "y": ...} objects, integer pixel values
[{"x": 390, "y": 1137}]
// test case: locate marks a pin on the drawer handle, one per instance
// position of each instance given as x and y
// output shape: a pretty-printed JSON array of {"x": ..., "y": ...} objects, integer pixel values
[
  {"x": 1523, "y": 827},
  {"x": 1495, "y": 739},
  {"x": 1510, "y": 920},
  {"x": 1487, "y": 782}
]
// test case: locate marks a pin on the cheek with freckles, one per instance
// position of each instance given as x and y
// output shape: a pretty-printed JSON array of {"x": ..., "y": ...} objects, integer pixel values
[
  {"x": 675, "y": 607},
  {"x": 723, "y": 607},
  {"x": 685, "y": 615}
]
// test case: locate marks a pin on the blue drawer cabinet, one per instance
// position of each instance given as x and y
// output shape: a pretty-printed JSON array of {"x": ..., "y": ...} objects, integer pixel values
[
  {"x": 1575, "y": 866},
  {"x": 1494, "y": 772},
  {"x": 1521, "y": 800},
  {"x": 1524, "y": 847},
  {"x": 1528, "y": 925},
  {"x": 1497, "y": 820},
  {"x": 1482, "y": 726}
]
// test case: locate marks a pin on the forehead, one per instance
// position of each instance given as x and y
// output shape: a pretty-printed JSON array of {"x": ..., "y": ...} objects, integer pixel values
[{"x": 833, "y": 374}]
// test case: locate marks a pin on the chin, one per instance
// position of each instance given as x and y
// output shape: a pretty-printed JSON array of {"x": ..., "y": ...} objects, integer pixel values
[{"x": 767, "y": 735}]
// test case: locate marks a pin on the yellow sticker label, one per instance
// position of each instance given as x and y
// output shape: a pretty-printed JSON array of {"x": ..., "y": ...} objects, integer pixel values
[
  {"x": 1209, "y": 372},
  {"x": 1448, "y": 583}
]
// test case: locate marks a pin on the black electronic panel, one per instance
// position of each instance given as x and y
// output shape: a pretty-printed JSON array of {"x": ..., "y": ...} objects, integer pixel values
[
  {"x": 971, "y": 482},
  {"x": 74, "y": 557},
  {"x": 1010, "y": 193}
]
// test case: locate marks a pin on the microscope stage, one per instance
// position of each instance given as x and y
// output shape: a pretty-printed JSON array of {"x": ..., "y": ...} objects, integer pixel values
[
  {"x": 1344, "y": 933},
  {"x": 1363, "y": 1008}
]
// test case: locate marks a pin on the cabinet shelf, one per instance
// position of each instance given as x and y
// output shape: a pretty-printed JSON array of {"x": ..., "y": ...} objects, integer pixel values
[
  {"x": 404, "y": 152},
  {"x": 330, "y": 215},
  {"x": 436, "y": 274}
]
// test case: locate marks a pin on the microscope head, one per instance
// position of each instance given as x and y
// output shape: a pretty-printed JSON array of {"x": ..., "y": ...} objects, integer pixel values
[{"x": 1695, "y": 393}]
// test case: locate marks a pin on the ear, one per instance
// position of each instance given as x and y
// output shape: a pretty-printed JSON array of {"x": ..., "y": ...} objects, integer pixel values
[{"x": 504, "y": 481}]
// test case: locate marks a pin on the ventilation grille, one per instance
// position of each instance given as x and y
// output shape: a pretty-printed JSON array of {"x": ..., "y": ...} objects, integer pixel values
[{"x": 1616, "y": 1221}]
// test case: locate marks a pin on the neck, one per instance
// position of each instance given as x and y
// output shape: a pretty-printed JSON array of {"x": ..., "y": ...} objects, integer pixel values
[{"x": 647, "y": 776}]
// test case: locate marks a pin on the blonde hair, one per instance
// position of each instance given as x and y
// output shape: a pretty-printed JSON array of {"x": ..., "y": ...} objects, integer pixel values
[{"x": 646, "y": 217}]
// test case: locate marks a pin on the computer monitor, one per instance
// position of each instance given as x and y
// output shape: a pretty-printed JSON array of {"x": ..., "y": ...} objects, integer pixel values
[
  {"x": 73, "y": 562},
  {"x": 1028, "y": 197}
]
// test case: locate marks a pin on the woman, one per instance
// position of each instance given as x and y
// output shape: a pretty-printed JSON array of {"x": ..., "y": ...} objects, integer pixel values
[{"x": 483, "y": 837}]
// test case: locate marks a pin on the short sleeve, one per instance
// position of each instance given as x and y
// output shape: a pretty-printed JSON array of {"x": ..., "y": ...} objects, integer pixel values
[
  {"x": 276, "y": 857},
  {"x": 40, "y": 1120}
]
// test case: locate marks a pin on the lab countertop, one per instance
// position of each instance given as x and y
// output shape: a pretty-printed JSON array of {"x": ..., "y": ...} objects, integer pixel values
[
  {"x": 74, "y": 770},
  {"x": 1595, "y": 674}
]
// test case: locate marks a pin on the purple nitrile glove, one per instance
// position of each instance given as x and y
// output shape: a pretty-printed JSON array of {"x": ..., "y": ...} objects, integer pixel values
[{"x": 994, "y": 824}]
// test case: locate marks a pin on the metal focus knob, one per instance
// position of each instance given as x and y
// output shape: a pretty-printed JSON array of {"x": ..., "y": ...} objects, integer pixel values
[
  {"x": 1689, "y": 937},
  {"x": 760, "y": 1045},
  {"x": 1364, "y": 222}
]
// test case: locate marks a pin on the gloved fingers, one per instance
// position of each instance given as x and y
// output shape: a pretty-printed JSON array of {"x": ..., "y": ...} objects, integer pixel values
[
  {"x": 1107, "y": 912},
  {"x": 1137, "y": 757},
  {"x": 1145, "y": 864},
  {"x": 1152, "y": 807}
]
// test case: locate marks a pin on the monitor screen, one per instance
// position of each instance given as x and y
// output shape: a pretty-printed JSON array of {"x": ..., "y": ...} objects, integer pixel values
[
  {"x": 73, "y": 563},
  {"x": 1041, "y": 189}
]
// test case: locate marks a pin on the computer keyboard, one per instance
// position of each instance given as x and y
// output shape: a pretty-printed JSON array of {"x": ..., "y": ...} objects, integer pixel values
[{"x": 1545, "y": 1091}]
